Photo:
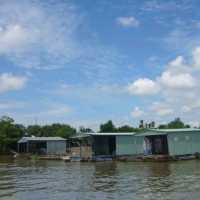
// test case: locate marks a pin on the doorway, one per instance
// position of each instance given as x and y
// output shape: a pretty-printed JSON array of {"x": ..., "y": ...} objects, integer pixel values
[{"x": 158, "y": 144}]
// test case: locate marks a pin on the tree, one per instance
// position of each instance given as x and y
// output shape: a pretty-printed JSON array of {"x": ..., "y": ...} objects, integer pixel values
[
  {"x": 175, "y": 124},
  {"x": 163, "y": 126},
  {"x": 65, "y": 131},
  {"x": 56, "y": 129},
  {"x": 10, "y": 133},
  {"x": 125, "y": 129},
  {"x": 35, "y": 130},
  {"x": 107, "y": 127}
]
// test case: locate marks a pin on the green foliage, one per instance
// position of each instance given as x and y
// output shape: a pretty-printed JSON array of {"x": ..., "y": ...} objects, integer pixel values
[
  {"x": 125, "y": 129},
  {"x": 61, "y": 130},
  {"x": 10, "y": 133},
  {"x": 35, "y": 130},
  {"x": 175, "y": 124},
  {"x": 108, "y": 127}
]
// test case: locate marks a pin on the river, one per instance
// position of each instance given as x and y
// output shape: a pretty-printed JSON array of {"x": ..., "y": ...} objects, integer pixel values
[{"x": 57, "y": 180}]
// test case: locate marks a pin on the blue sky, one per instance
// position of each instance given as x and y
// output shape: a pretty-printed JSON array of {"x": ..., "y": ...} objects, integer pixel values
[{"x": 85, "y": 62}]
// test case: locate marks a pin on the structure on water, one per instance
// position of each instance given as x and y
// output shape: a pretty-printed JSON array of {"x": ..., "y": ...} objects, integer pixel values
[
  {"x": 97, "y": 145},
  {"x": 165, "y": 143},
  {"x": 172, "y": 142},
  {"x": 42, "y": 145},
  {"x": 152, "y": 142}
]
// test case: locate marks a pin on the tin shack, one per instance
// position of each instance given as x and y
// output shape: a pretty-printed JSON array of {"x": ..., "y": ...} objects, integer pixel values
[
  {"x": 172, "y": 142},
  {"x": 42, "y": 145},
  {"x": 103, "y": 145}
]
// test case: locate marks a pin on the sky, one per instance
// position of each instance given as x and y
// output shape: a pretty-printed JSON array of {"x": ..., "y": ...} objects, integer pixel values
[{"x": 85, "y": 62}]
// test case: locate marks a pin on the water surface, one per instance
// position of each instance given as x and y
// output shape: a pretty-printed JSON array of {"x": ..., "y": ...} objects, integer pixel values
[{"x": 54, "y": 180}]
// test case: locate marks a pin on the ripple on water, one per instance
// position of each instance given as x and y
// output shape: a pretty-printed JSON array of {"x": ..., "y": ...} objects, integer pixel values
[{"x": 113, "y": 180}]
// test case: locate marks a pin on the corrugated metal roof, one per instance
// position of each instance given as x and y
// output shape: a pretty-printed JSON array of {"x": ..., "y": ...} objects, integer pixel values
[
  {"x": 80, "y": 136},
  {"x": 26, "y": 139},
  {"x": 176, "y": 130},
  {"x": 115, "y": 134},
  {"x": 152, "y": 132}
]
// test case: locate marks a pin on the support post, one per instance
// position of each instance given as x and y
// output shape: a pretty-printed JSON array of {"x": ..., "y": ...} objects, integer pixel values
[{"x": 27, "y": 147}]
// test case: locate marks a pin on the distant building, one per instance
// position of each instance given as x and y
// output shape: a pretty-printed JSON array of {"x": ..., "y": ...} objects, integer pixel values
[{"x": 42, "y": 145}]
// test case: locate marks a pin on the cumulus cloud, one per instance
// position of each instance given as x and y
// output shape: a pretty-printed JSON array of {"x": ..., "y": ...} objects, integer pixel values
[
  {"x": 178, "y": 75},
  {"x": 178, "y": 87},
  {"x": 10, "y": 82},
  {"x": 177, "y": 81},
  {"x": 142, "y": 87},
  {"x": 137, "y": 112},
  {"x": 196, "y": 57},
  {"x": 128, "y": 21}
]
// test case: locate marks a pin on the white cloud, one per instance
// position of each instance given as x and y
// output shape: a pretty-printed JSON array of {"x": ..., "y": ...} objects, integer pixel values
[
  {"x": 128, "y": 21},
  {"x": 10, "y": 82},
  {"x": 177, "y": 81},
  {"x": 191, "y": 106},
  {"x": 178, "y": 87},
  {"x": 178, "y": 62},
  {"x": 48, "y": 36},
  {"x": 143, "y": 86},
  {"x": 196, "y": 57},
  {"x": 12, "y": 37},
  {"x": 29, "y": 40},
  {"x": 161, "y": 109},
  {"x": 137, "y": 112}
]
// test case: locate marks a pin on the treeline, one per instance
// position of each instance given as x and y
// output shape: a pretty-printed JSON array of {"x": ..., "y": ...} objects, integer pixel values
[{"x": 11, "y": 132}]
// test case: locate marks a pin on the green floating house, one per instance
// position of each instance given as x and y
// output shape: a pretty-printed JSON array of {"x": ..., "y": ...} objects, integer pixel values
[
  {"x": 169, "y": 142},
  {"x": 172, "y": 142}
]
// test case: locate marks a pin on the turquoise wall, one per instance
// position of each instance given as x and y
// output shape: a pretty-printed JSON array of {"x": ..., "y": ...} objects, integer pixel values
[
  {"x": 183, "y": 143},
  {"x": 56, "y": 147},
  {"x": 129, "y": 145}
]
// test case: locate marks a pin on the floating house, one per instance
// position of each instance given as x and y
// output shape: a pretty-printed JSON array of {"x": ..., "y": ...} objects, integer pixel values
[
  {"x": 172, "y": 142},
  {"x": 42, "y": 145},
  {"x": 165, "y": 142},
  {"x": 96, "y": 145}
]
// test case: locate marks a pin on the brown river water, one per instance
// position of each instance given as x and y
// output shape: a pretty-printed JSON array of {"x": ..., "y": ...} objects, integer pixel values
[{"x": 57, "y": 180}]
